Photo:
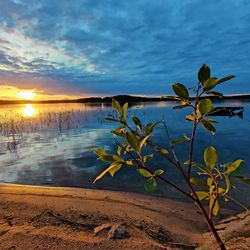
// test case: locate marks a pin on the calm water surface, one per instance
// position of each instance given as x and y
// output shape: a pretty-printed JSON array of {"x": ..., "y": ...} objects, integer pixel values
[{"x": 50, "y": 144}]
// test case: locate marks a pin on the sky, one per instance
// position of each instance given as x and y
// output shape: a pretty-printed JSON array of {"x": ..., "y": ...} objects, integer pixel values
[{"x": 66, "y": 49}]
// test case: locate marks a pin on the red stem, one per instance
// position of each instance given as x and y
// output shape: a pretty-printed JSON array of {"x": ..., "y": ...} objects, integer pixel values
[{"x": 193, "y": 132}]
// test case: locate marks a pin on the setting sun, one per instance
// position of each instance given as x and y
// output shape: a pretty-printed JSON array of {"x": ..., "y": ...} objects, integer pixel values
[
  {"x": 28, "y": 110},
  {"x": 27, "y": 95}
]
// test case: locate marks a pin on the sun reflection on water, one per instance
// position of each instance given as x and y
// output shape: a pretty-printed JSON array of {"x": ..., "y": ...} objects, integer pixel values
[{"x": 29, "y": 111}]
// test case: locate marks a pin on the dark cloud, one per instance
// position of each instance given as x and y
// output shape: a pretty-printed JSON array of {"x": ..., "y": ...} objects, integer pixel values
[{"x": 109, "y": 47}]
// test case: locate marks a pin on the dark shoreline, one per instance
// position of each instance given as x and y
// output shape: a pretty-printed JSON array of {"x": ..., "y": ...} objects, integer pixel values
[{"x": 120, "y": 98}]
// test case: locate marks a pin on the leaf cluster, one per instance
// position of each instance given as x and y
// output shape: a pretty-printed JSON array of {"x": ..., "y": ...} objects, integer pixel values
[
  {"x": 130, "y": 146},
  {"x": 217, "y": 179}
]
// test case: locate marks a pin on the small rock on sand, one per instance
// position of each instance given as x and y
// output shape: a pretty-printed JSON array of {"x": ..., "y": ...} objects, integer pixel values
[{"x": 118, "y": 232}]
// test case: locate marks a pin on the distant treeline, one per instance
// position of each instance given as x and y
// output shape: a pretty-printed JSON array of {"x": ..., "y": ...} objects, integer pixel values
[{"x": 120, "y": 98}]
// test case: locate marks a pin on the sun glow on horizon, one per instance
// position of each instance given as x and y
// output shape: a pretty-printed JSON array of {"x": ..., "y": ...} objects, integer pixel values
[
  {"x": 29, "y": 110},
  {"x": 11, "y": 92},
  {"x": 26, "y": 95}
]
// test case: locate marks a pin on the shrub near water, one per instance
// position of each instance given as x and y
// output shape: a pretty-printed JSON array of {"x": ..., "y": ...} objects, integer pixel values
[{"x": 215, "y": 179}]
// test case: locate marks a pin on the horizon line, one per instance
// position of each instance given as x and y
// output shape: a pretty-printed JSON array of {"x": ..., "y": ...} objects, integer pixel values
[{"x": 111, "y": 96}]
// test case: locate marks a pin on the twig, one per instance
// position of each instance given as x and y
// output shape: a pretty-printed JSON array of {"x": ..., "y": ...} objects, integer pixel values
[{"x": 237, "y": 202}]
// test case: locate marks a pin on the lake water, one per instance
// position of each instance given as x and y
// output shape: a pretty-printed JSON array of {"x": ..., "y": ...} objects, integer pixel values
[{"x": 50, "y": 144}]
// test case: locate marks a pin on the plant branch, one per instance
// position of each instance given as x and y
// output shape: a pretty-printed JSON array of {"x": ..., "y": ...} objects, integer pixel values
[
  {"x": 141, "y": 164},
  {"x": 193, "y": 195},
  {"x": 154, "y": 146},
  {"x": 193, "y": 131}
]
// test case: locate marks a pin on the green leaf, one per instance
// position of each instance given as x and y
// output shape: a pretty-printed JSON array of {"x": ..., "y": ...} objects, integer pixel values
[
  {"x": 150, "y": 155},
  {"x": 208, "y": 125},
  {"x": 124, "y": 110},
  {"x": 199, "y": 183},
  {"x": 129, "y": 162},
  {"x": 190, "y": 118},
  {"x": 107, "y": 158},
  {"x": 216, "y": 208},
  {"x": 210, "y": 157},
  {"x": 117, "y": 158},
  {"x": 132, "y": 141},
  {"x": 116, "y": 105},
  {"x": 209, "y": 181},
  {"x": 225, "y": 79},
  {"x": 201, "y": 168},
  {"x": 214, "y": 93},
  {"x": 242, "y": 179},
  {"x": 113, "y": 168},
  {"x": 143, "y": 141},
  {"x": 211, "y": 202},
  {"x": 232, "y": 166},
  {"x": 150, "y": 185},
  {"x": 205, "y": 106},
  {"x": 118, "y": 134},
  {"x": 209, "y": 120},
  {"x": 221, "y": 190},
  {"x": 144, "y": 172},
  {"x": 181, "y": 91},
  {"x": 137, "y": 122},
  {"x": 111, "y": 118},
  {"x": 110, "y": 158},
  {"x": 145, "y": 158},
  {"x": 99, "y": 151},
  {"x": 228, "y": 184},
  {"x": 211, "y": 189},
  {"x": 158, "y": 172},
  {"x": 181, "y": 106},
  {"x": 204, "y": 73},
  {"x": 163, "y": 151},
  {"x": 210, "y": 83},
  {"x": 178, "y": 141},
  {"x": 202, "y": 195},
  {"x": 119, "y": 131},
  {"x": 119, "y": 150},
  {"x": 150, "y": 126}
]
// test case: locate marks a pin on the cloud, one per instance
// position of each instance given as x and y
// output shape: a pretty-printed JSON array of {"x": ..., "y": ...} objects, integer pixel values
[
  {"x": 129, "y": 47},
  {"x": 31, "y": 55}
]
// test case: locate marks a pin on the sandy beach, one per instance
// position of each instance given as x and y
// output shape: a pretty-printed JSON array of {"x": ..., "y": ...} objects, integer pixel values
[{"x": 35, "y": 217}]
